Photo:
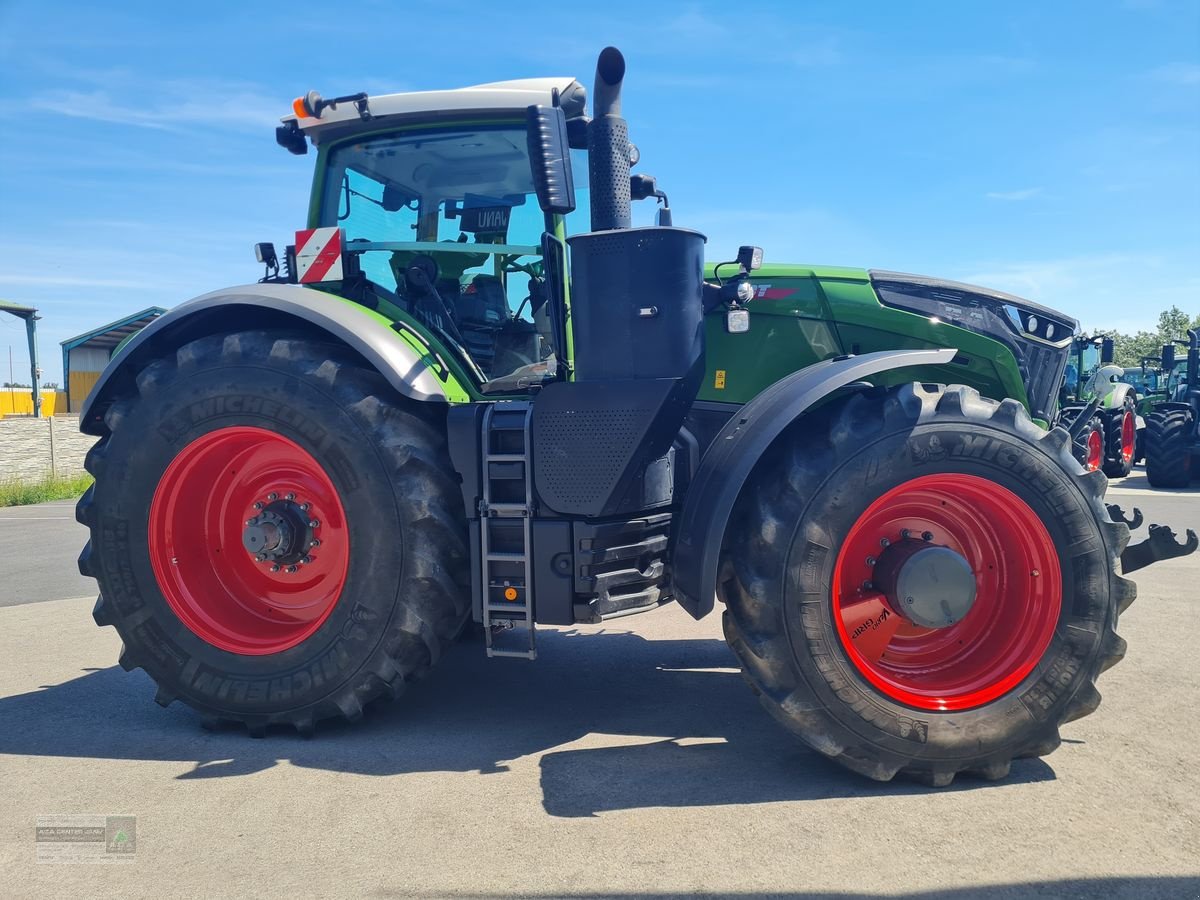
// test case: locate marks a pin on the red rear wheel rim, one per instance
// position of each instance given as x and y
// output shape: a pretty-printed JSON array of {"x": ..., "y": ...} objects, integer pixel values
[
  {"x": 1128, "y": 436},
  {"x": 224, "y": 594},
  {"x": 1095, "y": 450},
  {"x": 1008, "y": 628}
]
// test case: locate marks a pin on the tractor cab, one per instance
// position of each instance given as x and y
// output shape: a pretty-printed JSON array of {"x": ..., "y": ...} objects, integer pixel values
[{"x": 433, "y": 199}]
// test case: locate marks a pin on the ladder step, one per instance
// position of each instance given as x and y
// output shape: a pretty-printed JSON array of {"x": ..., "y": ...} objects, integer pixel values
[
  {"x": 514, "y": 608},
  {"x": 505, "y": 457},
  {"x": 505, "y": 557},
  {"x": 508, "y": 509},
  {"x": 514, "y": 654}
]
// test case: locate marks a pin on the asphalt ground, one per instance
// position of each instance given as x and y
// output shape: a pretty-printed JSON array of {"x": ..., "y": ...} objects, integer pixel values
[
  {"x": 627, "y": 761},
  {"x": 38, "y": 548}
]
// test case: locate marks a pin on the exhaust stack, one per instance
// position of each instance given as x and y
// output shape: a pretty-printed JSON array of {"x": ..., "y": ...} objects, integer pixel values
[{"x": 608, "y": 146}]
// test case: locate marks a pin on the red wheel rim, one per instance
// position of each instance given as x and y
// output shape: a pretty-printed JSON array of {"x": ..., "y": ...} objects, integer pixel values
[
  {"x": 224, "y": 594},
  {"x": 1095, "y": 450},
  {"x": 1128, "y": 436},
  {"x": 1004, "y": 634}
]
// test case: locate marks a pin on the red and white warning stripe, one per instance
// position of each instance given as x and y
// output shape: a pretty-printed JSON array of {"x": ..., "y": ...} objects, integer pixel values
[{"x": 319, "y": 255}]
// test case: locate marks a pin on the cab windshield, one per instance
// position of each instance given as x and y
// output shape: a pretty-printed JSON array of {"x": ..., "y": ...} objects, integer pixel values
[{"x": 448, "y": 228}]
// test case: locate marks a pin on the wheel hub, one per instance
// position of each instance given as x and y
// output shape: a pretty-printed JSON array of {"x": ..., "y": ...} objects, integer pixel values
[
  {"x": 929, "y": 585},
  {"x": 281, "y": 533}
]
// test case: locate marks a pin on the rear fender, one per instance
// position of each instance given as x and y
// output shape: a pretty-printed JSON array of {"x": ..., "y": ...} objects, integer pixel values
[
  {"x": 735, "y": 451},
  {"x": 414, "y": 373}
]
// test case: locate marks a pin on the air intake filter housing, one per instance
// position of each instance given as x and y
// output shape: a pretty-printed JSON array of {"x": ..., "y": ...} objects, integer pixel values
[{"x": 637, "y": 303}]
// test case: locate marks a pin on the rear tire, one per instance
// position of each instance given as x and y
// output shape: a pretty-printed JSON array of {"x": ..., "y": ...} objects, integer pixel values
[
  {"x": 804, "y": 501},
  {"x": 1119, "y": 453},
  {"x": 241, "y": 644},
  {"x": 1168, "y": 456}
]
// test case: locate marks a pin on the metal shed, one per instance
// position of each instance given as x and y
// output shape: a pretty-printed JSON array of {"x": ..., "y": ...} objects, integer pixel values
[{"x": 86, "y": 355}]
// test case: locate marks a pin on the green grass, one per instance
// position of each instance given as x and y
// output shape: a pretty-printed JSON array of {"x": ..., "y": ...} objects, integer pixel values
[{"x": 14, "y": 492}]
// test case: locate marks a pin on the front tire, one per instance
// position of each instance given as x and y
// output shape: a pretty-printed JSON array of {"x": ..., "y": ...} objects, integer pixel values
[
  {"x": 881, "y": 697},
  {"x": 276, "y": 534}
]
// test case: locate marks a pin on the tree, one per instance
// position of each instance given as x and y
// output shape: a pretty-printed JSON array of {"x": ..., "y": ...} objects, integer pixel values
[{"x": 1173, "y": 324}]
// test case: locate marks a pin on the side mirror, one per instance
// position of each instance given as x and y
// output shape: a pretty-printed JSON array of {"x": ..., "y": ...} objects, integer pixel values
[
  {"x": 550, "y": 159},
  {"x": 750, "y": 258},
  {"x": 1168, "y": 357},
  {"x": 1107, "y": 350}
]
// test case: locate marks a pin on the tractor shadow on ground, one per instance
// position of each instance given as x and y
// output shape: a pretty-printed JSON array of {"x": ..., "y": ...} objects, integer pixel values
[{"x": 675, "y": 724}]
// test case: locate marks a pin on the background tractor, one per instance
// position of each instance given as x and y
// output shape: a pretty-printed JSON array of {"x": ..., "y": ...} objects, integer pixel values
[
  {"x": 1172, "y": 438},
  {"x": 471, "y": 391},
  {"x": 1110, "y": 435}
]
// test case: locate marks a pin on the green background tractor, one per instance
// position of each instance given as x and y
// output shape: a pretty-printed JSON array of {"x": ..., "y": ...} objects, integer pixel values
[
  {"x": 1116, "y": 422},
  {"x": 1173, "y": 427},
  {"x": 472, "y": 392}
]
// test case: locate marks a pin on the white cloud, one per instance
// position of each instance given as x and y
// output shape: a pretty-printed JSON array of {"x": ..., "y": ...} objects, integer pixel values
[
  {"x": 71, "y": 281},
  {"x": 1023, "y": 194},
  {"x": 1177, "y": 73},
  {"x": 172, "y": 105},
  {"x": 1103, "y": 290}
]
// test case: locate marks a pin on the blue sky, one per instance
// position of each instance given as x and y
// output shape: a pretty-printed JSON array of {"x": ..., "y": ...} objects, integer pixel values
[{"x": 1049, "y": 149}]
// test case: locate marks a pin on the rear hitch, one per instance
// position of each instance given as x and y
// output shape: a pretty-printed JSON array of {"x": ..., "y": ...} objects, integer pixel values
[{"x": 1162, "y": 544}]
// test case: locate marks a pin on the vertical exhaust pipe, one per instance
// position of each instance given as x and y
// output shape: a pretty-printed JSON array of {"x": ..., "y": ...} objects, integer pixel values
[{"x": 608, "y": 146}]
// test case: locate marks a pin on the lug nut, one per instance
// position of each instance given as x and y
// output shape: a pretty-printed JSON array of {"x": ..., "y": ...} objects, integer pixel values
[
  {"x": 262, "y": 557},
  {"x": 258, "y": 504},
  {"x": 272, "y": 496},
  {"x": 315, "y": 542},
  {"x": 249, "y": 521},
  {"x": 884, "y": 542},
  {"x": 303, "y": 507},
  {"x": 291, "y": 570},
  {"x": 904, "y": 533},
  {"x": 275, "y": 567},
  {"x": 290, "y": 496},
  {"x": 868, "y": 586},
  {"x": 314, "y": 523},
  {"x": 305, "y": 560},
  {"x": 871, "y": 561},
  {"x": 927, "y": 535}
]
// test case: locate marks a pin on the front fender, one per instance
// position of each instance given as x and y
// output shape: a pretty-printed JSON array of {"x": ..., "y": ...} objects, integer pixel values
[
  {"x": 413, "y": 373},
  {"x": 736, "y": 450},
  {"x": 1115, "y": 398}
]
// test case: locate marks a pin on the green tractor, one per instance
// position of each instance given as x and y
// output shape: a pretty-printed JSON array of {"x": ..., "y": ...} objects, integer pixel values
[
  {"x": 1173, "y": 427},
  {"x": 1109, "y": 439},
  {"x": 1154, "y": 384},
  {"x": 471, "y": 392}
]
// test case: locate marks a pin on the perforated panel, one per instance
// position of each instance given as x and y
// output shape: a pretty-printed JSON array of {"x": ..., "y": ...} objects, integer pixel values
[{"x": 585, "y": 452}]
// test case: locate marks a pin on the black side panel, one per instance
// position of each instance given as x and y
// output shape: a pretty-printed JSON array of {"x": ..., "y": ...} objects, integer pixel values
[
  {"x": 463, "y": 426},
  {"x": 552, "y": 572},
  {"x": 594, "y": 441},
  {"x": 739, "y": 445}
]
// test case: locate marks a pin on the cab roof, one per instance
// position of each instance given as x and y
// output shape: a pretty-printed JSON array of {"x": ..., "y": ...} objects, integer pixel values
[{"x": 499, "y": 96}]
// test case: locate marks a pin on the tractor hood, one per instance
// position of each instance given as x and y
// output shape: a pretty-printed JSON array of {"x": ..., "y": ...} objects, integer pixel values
[{"x": 1039, "y": 337}]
